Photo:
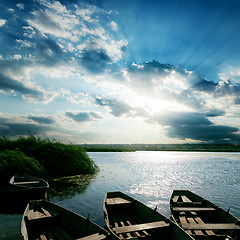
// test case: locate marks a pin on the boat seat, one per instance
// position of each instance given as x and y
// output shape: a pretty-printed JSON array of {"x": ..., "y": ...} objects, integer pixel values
[
  {"x": 200, "y": 221},
  {"x": 140, "y": 227},
  {"x": 175, "y": 199},
  {"x": 192, "y": 209},
  {"x": 211, "y": 226},
  {"x": 95, "y": 236},
  {"x": 32, "y": 182},
  {"x": 117, "y": 201},
  {"x": 186, "y": 199}
]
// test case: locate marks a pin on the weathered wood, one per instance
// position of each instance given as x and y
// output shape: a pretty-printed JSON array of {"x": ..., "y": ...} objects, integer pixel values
[
  {"x": 199, "y": 220},
  {"x": 115, "y": 201},
  {"x": 192, "y": 221},
  {"x": 183, "y": 220},
  {"x": 186, "y": 199},
  {"x": 47, "y": 213},
  {"x": 192, "y": 209},
  {"x": 32, "y": 182},
  {"x": 175, "y": 199},
  {"x": 95, "y": 236},
  {"x": 42, "y": 236},
  {"x": 140, "y": 227},
  {"x": 211, "y": 226}
]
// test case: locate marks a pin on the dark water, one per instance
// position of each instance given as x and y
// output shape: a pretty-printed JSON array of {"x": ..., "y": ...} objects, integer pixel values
[{"x": 150, "y": 177}]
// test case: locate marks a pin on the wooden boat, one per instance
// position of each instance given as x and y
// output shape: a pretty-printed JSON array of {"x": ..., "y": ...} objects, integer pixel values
[
  {"x": 201, "y": 218},
  {"x": 128, "y": 218},
  {"x": 45, "y": 220},
  {"x": 22, "y": 188}
]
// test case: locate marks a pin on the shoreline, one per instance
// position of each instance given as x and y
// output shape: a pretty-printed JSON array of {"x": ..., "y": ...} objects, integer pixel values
[{"x": 160, "y": 147}]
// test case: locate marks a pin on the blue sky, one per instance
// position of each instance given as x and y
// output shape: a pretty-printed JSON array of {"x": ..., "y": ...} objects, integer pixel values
[{"x": 121, "y": 71}]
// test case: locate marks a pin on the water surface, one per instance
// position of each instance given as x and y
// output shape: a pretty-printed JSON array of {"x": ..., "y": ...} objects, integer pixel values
[{"x": 149, "y": 177}]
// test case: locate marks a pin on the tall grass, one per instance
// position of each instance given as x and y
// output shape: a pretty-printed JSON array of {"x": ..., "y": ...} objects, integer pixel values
[{"x": 42, "y": 157}]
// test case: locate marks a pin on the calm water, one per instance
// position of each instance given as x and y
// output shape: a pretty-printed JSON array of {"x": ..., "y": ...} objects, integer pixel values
[{"x": 150, "y": 177}]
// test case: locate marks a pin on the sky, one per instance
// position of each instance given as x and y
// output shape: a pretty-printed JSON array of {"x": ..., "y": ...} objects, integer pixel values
[{"x": 120, "y": 71}]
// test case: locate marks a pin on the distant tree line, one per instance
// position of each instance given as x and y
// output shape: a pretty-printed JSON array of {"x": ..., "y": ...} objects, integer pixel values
[{"x": 161, "y": 147}]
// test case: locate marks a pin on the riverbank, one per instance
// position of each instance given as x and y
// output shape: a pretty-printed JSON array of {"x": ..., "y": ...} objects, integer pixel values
[
  {"x": 161, "y": 147},
  {"x": 43, "y": 158}
]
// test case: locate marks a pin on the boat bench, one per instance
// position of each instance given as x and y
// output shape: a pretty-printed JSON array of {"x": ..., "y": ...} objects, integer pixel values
[
  {"x": 140, "y": 227},
  {"x": 185, "y": 201},
  {"x": 194, "y": 219},
  {"x": 211, "y": 226},
  {"x": 95, "y": 236},
  {"x": 117, "y": 201},
  {"x": 192, "y": 209}
]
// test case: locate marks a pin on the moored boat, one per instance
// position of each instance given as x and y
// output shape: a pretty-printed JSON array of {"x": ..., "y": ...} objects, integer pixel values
[
  {"x": 22, "y": 188},
  {"x": 201, "y": 218},
  {"x": 128, "y": 218},
  {"x": 46, "y": 220}
]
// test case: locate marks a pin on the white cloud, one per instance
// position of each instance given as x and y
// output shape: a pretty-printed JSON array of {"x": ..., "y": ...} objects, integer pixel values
[
  {"x": 20, "y": 6},
  {"x": 114, "y": 26},
  {"x": 2, "y": 22}
]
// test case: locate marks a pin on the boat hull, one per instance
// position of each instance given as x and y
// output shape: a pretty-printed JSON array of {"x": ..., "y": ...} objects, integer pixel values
[
  {"x": 128, "y": 218},
  {"x": 45, "y": 220},
  {"x": 201, "y": 218},
  {"x": 19, "y": 193}
]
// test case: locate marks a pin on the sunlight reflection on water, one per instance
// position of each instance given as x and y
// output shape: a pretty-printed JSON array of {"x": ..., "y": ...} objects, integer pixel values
[{"x": 150, "y": 177}]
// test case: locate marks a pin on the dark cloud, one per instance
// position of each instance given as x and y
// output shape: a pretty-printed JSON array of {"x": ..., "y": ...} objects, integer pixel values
[
  {"x": 8, "y": 84},
  {"x": 214, "y": 113},
  {"x": 83, "y": 116},
  {"x": 95, "y": 61},
  {"x": 117, "y": 108},
  {"x": 14, "y": 129},
  {"x": 204, "y": 86},
  {"x": 48, "y": 53},
  {"x": 195, "y": 126},
  {"x": 42, "y": 120},
  {"x": 153, "y": 67}
]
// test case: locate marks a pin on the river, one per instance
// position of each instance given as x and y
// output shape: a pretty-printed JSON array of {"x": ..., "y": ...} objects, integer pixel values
[{"x": 149, "y": 177}]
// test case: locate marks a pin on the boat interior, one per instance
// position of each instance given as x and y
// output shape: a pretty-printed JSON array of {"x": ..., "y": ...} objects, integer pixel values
[{"x": 199, "y": 220}]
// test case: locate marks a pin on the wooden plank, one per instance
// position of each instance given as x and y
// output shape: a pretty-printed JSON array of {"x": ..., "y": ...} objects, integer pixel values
[
  {"x": 186, "y": 199},
  {"x": 175, "y": 199},
  {"x": 211, "y": 226},
  {"x": 140, "y": 227},
  {"x": 135, "y": 220},
  {"x": 95, "y": 236},
  {"x": 113, "y": 201},
  {"x": 200, "y": 221},
  {"x": 42, "y": 236},
  {"x": 19, "y": 183},
  {"x": 30, "y": 214},
  {"x": 183, "y": 220},
  {"x": 192, "y": 209},
  {"x": 46, "y": 212},
  {"x": 197, "y": 232}
]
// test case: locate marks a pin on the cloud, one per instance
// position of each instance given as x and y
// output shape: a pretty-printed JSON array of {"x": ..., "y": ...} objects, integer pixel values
[
  {"x": 13, "y": 125},
  {"x": 195, "y": 126},
  {"x": 116, "y": 107},
  {"x": 42, "y": 120},
  {"x": 114, "y": 26},
  {"x": 54, "y": 19},
  {"x": 49, "y": 53},
  {"x": 2, "y": 22},
  {"x": 20, "y": 6},
  {"x": 97, "y": 55},
  {"x": 14, "y": 79},
  {"x": 204, "y": 86},
  {"x": 95, "y": 61},
  {"x": 83, "y": 116}
]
